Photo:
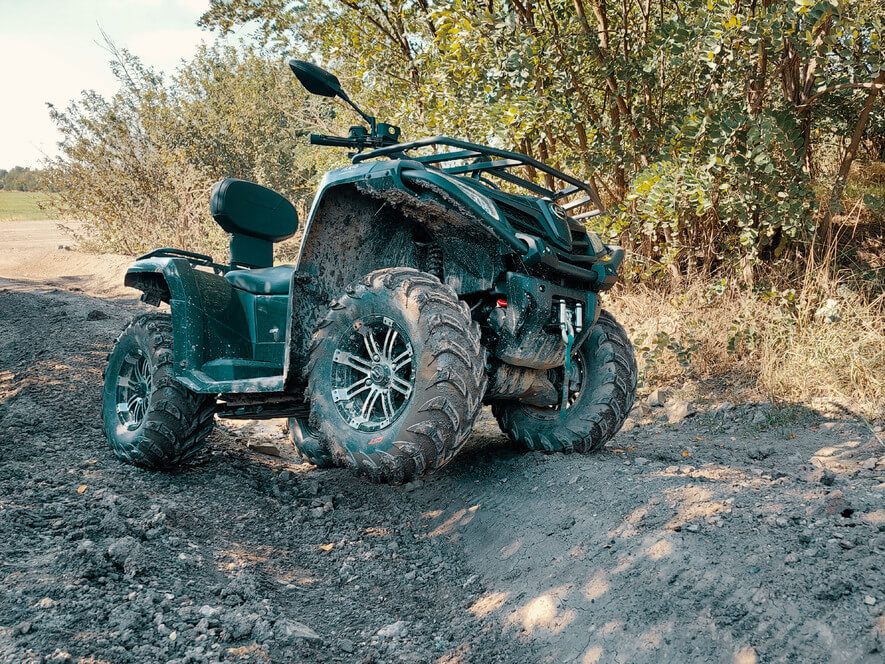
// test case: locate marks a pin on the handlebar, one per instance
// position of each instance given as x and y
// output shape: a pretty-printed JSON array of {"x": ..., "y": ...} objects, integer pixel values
[
  {"x": 334, "y": 141},
  {"x": 382, "y": 135}
]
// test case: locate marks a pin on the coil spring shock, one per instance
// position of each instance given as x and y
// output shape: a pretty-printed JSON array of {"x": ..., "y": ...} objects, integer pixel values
[{"x": 435, "y": 260}]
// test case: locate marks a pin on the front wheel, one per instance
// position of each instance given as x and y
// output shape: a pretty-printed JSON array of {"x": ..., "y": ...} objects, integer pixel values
[
  {"x": 396, "y": 375},
  {"x": 602, "y": 387},
  {"x": 151, "y": 420}
]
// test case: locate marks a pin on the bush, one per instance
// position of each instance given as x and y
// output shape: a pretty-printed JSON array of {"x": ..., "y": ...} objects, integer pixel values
[
  {"x": 138, "y": 167},
  {"x": 702, "y": 122}
]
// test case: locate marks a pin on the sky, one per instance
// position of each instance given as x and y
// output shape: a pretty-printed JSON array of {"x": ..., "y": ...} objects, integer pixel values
[{"x": 51, "y": 50}]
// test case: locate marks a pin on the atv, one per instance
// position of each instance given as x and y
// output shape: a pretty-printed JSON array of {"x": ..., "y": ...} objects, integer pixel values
[{"x": 433, "y": 277}]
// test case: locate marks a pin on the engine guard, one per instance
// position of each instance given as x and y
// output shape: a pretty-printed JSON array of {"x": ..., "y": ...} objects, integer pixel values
[{"x": 526, "y": 322}]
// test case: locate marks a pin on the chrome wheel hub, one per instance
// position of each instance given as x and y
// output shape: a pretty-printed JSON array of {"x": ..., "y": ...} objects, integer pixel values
[
  {"x": 380, "y": 375},
  {"x": 372, "y": 373},
  {"x": 133, "y": 389}
]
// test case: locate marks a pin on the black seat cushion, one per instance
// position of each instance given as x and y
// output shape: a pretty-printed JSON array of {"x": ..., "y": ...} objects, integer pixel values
[
  {"x": 246, "y": 208},
  {"x": 264, "y": 281}
]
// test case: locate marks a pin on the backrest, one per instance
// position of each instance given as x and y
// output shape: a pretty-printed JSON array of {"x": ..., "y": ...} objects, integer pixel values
[{"x": 255, "y": 217}]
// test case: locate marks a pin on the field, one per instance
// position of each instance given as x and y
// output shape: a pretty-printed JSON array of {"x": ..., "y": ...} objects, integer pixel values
[{"x": 22, "y": 205}]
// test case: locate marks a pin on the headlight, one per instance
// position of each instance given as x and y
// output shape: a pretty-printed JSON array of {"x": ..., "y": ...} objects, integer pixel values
[
  {"x": 596, "y": 244},
  {"x": 484, "y": 202}
]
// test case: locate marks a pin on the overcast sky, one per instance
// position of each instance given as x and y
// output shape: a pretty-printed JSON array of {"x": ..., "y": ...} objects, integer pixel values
[{"x": 49, "y": 52}]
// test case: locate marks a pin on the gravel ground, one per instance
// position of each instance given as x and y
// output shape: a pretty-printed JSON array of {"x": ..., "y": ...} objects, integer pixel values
[{"x": 737, "y": 535}]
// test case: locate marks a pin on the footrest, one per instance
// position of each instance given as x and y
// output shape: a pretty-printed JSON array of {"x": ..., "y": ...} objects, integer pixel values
[{"x": 234, "y": 376}]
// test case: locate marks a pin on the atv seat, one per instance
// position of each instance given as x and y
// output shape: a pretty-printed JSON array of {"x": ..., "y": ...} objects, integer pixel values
[
  {"x": 255, "y": 217},
  {"x": 263, "y": 281}
]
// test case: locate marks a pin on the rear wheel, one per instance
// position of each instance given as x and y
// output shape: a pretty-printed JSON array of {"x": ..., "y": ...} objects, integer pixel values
[
  {"x": 602, "y": 387},
  {"x": 150, "y": 419},
  {"x": 305, "y": 441},
  {"x": 396, "y": 375}
]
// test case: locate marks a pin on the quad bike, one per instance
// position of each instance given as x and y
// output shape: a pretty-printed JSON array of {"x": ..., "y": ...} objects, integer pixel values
[{"x": 433, "y": 276}]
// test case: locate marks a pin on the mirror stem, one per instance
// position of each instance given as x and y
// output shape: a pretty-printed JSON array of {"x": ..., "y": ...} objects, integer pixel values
[{"x": 367, "y": 118}]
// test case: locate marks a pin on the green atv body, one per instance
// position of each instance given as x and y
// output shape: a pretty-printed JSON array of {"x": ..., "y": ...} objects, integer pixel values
[{"x": 432, "y": 277}]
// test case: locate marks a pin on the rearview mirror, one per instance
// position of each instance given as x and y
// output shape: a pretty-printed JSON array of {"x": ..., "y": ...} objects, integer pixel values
[
  {"x": 318, "y": 81},
  {"x": 315, "y": 80}
]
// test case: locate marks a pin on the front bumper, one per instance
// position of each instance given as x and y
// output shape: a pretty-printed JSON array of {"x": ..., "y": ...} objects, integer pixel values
[{"x": 526, "y": 329}]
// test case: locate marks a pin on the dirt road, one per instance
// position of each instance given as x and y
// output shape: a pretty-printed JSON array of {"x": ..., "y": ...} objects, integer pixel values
[
  {"x": 40, "y": 253},
  {"x": 739, "y": 535}
]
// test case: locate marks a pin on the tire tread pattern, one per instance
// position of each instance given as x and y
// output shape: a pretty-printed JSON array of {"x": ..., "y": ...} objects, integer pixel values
[
  {"x": 307, "y": 446},
  {"x": 452, "y": 399},
  {"x": 178, "y": 421},
  {"x": 596, "y": 420}
]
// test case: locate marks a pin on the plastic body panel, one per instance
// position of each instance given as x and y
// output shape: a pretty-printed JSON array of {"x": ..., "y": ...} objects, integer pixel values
[
  {"x": 407, "y": 176},
  {"x": 394, "y": 174},
  {"x": 340, "y": 176},
  {"x": 225, "y": 339}
]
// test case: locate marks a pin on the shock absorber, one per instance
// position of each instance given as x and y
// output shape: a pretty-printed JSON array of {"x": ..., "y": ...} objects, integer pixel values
[{"x": 435, "y": 260}]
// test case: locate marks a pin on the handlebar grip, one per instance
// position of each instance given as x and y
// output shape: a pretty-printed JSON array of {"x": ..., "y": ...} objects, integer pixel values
[{"x": 334, "y": 141}]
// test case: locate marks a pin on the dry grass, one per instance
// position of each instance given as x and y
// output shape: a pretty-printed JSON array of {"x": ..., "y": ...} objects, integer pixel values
[
  {"x": 822, "y": 339},
  {"x": 813, "y": 334},
  {"x": 843, "y": 361}
]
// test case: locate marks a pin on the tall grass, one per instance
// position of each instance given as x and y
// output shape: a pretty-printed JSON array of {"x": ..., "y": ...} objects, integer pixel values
[{"x": 814, "y": 331}]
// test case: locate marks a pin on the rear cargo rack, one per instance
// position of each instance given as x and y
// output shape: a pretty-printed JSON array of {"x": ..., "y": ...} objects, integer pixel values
[
  {"x": 190, "y": 256},
  {"x": 477, "y": 161}
]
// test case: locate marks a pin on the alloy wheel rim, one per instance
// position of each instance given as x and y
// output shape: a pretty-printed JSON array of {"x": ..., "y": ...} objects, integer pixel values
[
  {"x": 372, "y": 373},
  {"x": 576, "y": 379},
  {"x": 133, "y": 389}
]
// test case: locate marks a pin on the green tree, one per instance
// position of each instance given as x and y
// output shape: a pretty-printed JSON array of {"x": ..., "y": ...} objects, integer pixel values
[
  {"x": 697, "y": 118},
  {"x": 22, "y": 179}
]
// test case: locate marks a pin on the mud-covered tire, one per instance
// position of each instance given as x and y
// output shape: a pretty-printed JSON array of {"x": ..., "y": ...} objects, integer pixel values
[
  {"x": 306, "y": 443},
  {"x": 175, "y": 421},
  {"x": 448, "y": 381},
  {"x": 600, "y": 407}
]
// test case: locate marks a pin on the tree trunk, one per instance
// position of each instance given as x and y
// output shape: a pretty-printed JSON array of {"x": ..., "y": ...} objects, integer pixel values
[
  {"x": 856, "y": 137},
  {"x": 851, "y": 152}
]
